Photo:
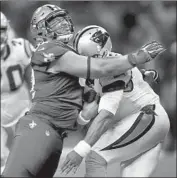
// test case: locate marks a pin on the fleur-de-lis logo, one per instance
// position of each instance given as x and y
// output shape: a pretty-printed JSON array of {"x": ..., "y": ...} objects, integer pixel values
[
  {"x": 32, "y": 125},
  {"x": 47, "y": 133},
  {"x": 49, "y": 57}
]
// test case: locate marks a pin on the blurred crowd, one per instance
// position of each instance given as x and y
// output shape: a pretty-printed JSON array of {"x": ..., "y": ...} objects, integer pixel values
[{"x": 130, "y": 24}]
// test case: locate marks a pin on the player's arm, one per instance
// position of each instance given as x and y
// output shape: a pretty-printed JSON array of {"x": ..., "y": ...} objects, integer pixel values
[
  {"x": 88, "y": 67},
  {"x": 98, "y": 127},
  {"x": 29, "y": 49},
  {"x": 150, "y": 75},
  {"x": 108, "y": 106},
  {"x": 89, "y": 111},
  {"x": 29, "y": 79}
]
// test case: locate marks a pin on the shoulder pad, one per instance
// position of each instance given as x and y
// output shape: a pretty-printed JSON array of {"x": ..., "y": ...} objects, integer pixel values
[
  {"x": 24, "y": 48},
  {"x": 52, "y": 50},
  {"x": 27, "y": 46},
  {"x": 17, "y": 42}
]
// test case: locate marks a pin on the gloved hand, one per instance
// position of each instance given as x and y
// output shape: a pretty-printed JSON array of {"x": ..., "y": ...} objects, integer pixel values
[
  {"x": 90, "y": 95},
  {"x": 146, "y": 53},
  {"x": 90, "y": 106},
  {"x": 150, "y": 75}
]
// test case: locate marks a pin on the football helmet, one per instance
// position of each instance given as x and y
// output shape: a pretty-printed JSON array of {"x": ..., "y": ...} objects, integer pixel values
[
  {"x": 93, "y": 41},
  {"x": 4, "y": 31},
  {"x": 50, "y": 22}
]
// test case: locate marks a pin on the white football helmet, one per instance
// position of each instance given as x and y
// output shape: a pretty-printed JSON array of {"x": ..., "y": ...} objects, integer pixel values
[
  {"x": 93, "y": 41},
  {"x": 4, "y": 31}
]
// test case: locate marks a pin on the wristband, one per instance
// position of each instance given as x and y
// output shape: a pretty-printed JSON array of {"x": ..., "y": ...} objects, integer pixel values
[
  {"x": 82, "y": 148},
  {"x": 81, "y": 120},
  {"x": 132, "y": 59}
]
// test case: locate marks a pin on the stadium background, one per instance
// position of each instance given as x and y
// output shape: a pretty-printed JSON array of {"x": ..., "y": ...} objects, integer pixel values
[{"x": 130, "y": 24}]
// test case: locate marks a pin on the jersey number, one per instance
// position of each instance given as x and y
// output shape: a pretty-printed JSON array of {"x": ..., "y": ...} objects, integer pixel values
[{"x": 15, "y": 77}]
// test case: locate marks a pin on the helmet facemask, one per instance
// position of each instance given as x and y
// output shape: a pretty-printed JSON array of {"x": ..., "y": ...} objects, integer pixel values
[{"x": 56, "y": 26}]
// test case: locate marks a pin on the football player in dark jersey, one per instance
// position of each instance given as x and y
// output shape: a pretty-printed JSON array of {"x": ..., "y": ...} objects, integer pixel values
[{"x": 57, "y": 95}]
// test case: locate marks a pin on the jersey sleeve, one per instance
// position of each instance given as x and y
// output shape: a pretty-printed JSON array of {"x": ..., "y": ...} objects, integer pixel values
[
  {"x": 110, "y": 101},
  {"x": 29, "y": 49},
  {"x": 46, "y": 53},
  {"x": 52, "y": 51},
  {"x": 114, "y": 83}
]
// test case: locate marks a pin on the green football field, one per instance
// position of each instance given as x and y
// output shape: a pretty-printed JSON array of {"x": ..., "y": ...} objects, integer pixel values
[{"x": 166, "y": 166}]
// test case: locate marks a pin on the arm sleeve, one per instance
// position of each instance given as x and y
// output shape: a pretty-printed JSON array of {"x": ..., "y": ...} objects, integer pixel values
[{"x": 110, "y": 101}]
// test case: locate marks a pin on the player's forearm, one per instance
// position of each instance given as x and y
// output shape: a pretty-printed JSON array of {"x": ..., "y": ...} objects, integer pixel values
[
  {"x": 28, "y": 79},
  {"x": 123, "y": 63},
  {"x": 98, "y": 127},
  {"x": 81, "y": 66},
  {"x": 84, "y": 67},
  {"x": 111, "y": 66}
]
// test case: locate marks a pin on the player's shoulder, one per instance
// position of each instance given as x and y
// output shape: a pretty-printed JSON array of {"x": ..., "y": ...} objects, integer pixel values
[
  {"x": 19, "y": 40},
  {"x": 16, "y": 43},
  {"x": 53, "y": 46},
  {"x": 23, "y": 46},
  {"x": 49, "y": 51}
]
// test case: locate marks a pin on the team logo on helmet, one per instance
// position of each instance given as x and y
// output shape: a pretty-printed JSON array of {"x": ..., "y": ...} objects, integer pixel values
[{"x": 93, "y": 41}]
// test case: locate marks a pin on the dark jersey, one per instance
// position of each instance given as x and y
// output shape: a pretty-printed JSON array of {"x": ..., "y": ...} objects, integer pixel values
[{"x": 58, "y": 97}]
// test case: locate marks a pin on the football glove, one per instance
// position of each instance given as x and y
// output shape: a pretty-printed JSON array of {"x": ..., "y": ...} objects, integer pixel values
[
  {"x": 151, "y": 75},
  {"x": 90, "y": 95},
  {"x": 146, "y": 53}
]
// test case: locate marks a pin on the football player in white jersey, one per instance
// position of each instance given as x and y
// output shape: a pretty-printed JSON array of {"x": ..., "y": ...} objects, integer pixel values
[
  {"x": 133, "y": 122},
  {"x": 15, "y": 83}
]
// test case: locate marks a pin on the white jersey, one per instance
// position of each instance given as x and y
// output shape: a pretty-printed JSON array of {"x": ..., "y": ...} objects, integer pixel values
[
  {"x": 141, "y": 95},
  {"x": 14, "y": 94},
  {"x": 132, "y": 135},
  {"x": 138, "y": 95},
  {"x": 14, "y": 64}
]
